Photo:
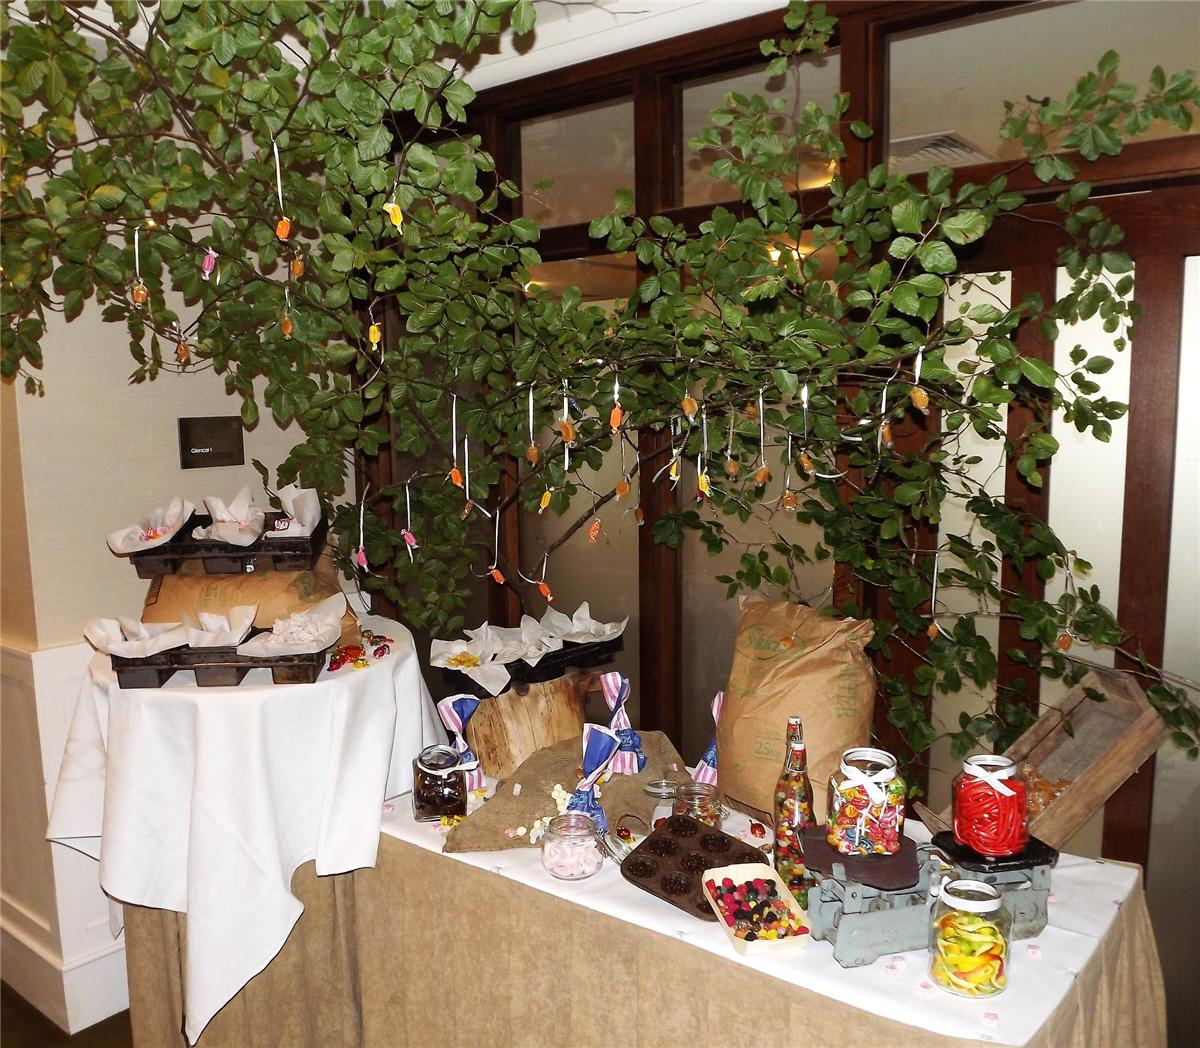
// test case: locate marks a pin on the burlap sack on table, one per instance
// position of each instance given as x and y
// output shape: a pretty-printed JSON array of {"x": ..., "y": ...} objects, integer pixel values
[
  {"x": 277, "y": 593},
  {"x": 483, "y": 829},
  {"x": 790, "y": 660}
]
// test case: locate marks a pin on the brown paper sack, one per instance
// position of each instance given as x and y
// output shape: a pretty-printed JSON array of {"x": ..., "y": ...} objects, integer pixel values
[
  {"x": 483, "y": 829},
  {"x": 506, "y": 729},
  {"x": 790, "y": 660},
  {"x": 277, "y": 593}
]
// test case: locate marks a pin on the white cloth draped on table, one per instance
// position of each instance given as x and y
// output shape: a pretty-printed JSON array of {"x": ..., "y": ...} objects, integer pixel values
[{"x": 206, "y": 800}]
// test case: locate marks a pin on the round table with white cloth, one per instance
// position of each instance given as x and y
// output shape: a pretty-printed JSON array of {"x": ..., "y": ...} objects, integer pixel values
[{"x": 206, "y": 800}]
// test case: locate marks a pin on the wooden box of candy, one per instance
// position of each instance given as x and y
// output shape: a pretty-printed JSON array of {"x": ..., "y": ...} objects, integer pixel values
[
  {"x": 221, "y": 558},
  {"x": 755, "y": 908},
  {"x": 217, "y": 667},
  {"x": 674, "y": 860}
]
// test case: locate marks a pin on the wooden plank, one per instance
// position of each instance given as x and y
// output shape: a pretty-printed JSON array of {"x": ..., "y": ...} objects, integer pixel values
[
  {"x": 1149, "y": 498},
  {"x": 1020, "y": 496},
  {"x": 660, "y": 573}
]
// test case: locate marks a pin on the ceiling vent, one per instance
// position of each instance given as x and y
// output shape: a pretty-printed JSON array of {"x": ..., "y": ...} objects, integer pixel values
[{"x": 921, "y": 152}]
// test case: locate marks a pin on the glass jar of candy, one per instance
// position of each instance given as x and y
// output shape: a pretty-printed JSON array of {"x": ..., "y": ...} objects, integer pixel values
[
  {"x": 991, "y": 809},
  {"x": 968, "y": 939},
  {"x": 865, "y": 810},
  {"x": 700, "y": 800},
  {"x": 439, "y": 785},
  {"x": 571, "y": 847}
]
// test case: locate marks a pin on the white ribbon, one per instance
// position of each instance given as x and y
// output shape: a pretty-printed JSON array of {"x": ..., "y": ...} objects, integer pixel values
[
  {"x": 1002, "y": 768},
  {"x": 872, "y": 782}
]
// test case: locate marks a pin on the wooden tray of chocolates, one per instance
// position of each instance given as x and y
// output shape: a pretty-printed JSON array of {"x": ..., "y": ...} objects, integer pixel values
[
  {"x": 672, "y": 861},
  {"x": 218, "y": 667},
  {"x": 221, "y": 558}
]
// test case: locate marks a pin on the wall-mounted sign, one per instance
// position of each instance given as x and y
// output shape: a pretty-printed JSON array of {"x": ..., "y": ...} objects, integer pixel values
[{"x": 212, "y": 441}]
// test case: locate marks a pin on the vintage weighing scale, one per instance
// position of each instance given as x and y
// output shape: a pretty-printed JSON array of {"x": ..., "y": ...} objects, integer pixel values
[{"x": 868, "y": 906}]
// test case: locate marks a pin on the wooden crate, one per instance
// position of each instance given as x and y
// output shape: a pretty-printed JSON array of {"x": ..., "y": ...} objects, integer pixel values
[{"x": 1106, "y": 743}]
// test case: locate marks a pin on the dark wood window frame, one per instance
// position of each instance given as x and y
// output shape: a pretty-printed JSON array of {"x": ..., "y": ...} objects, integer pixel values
[{"x": 653, "y": 75}]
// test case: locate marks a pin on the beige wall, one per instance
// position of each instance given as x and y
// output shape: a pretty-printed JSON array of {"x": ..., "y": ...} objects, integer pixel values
[
  {"x": 97, "y": 453},
  {"x": 18, "y": 625}
]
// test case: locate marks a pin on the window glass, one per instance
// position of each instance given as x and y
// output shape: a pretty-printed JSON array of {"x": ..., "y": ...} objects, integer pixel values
[
  {"x": 588, "y": 152},
  {"x": 947, "y": 87},
  {"x": 813, "y": 79},
  {"x": 601, "y": 278}
]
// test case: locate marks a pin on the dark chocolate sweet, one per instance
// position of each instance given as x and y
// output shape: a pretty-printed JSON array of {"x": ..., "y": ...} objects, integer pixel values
[
  {"x": 718, "y": 843},
  {"x": 677, "y": 884},
  {"x": 663, "y": 847}
]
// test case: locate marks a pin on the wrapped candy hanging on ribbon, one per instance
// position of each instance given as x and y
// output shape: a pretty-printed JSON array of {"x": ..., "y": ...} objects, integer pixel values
[
  {"x": 616, "y": 415},
  {"x": 703, "y": 484},
  {"x": 918, "y": 396},
  {"x": 566, "y": 428},
  {"x": 296, "y": 266},
  {"x": 493, "y": 570},
  {"x": 706, "y": 767},
  {"x": 629, "y": 759},
  {"x": 374, "y": 332},
  {"x": 283, "y": 228},
  {"x": 732, "y": 466},
  {"x": 788, "y": 500},
  {"x": 456, "y": 477},
  {"x": 543, "y": 587},
  {"x": 532, "y": 452},
  {"x": 207, "y": 264},
  {"x": 763, "y": 473},
  {"x": 406, "y": 533},
  {"x": 455, "y": 711},
  {"x": 139, "y": 293},
  {"x": 392, "y": 208},
  {"x": 884, "y": 437},
  {"x": 183, "y": 352},
  {"x": 360, "y": 554},
  {"x": 287, "y": 325},
  {"x": 599, "y": 746}
]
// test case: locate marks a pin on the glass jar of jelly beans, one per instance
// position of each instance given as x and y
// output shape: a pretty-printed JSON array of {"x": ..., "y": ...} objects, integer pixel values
[{"x": 700, "y": 800}]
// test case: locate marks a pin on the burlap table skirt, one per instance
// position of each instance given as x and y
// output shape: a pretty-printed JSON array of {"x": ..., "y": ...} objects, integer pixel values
[{"x": 426, "y": 952}]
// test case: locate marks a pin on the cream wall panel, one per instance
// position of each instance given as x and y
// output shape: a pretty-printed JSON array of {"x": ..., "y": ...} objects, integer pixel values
[{"x": 18, "y": 625}]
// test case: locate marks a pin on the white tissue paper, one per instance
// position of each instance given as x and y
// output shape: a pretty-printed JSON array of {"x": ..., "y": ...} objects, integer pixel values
[
  {"x": 239, "y": 522},
  {"x": 131, "y": 639},
  {"x": 581, "y": 628},
  {"x": 476, "y": 657},
  {"x": 302, "y": 513},
  {"x": 216, "y": 631},
  {"x": 301, "y": 632},
  {"x": 152, "y": 530}
]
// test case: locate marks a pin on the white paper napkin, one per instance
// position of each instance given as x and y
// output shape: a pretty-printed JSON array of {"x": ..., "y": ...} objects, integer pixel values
[
  {"x": 131, "y": 639},
  {"x": 581, "y": 628},
  {"x": 152, "y": 530},
  {"x": 301, "y": 632},
  {"x": 476, "y": 657},
  {"x": 239, "y": 522},
  {"x": 217, "y": 631},
  {"x": 302, "y": 511}
]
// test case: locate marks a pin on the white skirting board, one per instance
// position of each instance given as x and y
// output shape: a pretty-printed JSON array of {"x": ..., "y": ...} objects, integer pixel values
[{"x": 56, "y": 946}]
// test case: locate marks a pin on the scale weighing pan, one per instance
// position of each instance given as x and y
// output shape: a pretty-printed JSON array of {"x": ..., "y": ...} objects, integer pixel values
[{"x": 886, "y": 872}]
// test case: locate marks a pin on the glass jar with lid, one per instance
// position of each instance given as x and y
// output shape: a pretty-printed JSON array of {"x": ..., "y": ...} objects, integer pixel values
[
  {"x": 439, "y": 785},
  {"x": 571, "y": 848},
  {"x": 991, "y": 808},
  {"x": 700, "y": 800},
  {"x": 969, "y": 933},
  {"x": 865, "y": 809}
]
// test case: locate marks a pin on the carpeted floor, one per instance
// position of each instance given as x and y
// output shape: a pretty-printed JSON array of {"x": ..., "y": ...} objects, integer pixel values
[{"x": 23, "y": 1026}]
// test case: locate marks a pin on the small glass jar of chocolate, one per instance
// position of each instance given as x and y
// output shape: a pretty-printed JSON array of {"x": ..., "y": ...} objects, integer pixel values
[
  {"x": 700, "y": 800},
  {"x": 439, "y": 785}
]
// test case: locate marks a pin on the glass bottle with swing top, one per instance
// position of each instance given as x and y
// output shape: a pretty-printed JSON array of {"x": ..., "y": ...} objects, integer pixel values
[{"x": 793, "y": 812}]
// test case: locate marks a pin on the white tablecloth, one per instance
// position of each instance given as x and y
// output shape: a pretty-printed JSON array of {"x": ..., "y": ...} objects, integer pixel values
[
  {"x": 1086, "y": 897},
  {"x": 206, "y": 800}
]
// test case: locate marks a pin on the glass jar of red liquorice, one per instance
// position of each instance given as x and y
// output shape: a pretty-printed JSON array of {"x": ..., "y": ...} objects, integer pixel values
[{"x": 991, "y": 810}]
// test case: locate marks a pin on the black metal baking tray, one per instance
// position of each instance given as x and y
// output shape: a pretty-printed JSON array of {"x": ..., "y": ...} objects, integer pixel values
[{"x": 220, "y": 667}]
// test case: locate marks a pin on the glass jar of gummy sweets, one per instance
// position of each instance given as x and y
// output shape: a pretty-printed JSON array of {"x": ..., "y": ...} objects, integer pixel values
[
  {"x": 571, "y": 847},
  {"x": 991, "y": 810},
  {"x": 865, "y": 810},
  {"x": 439, "y": 784},
  {"x": 700, "y": 800},
  {"x": 968, "y": 939}
]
